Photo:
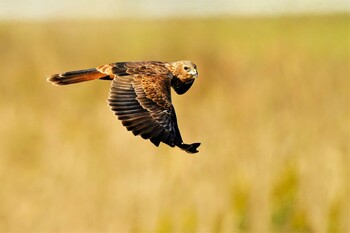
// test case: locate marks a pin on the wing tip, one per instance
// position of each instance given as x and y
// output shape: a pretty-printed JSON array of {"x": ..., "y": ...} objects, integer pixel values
[{"x": 190, "y": 148}]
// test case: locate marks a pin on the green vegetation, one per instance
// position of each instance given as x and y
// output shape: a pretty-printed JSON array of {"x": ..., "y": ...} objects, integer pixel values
[{"x": 270, "y": 106}]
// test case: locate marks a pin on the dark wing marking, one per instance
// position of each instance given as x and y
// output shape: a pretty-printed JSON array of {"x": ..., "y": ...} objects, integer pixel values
[{"x": 143, "y": 104}]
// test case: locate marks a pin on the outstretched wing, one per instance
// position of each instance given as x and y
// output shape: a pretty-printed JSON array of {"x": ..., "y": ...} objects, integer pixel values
[{"x": 143, "y": 103}]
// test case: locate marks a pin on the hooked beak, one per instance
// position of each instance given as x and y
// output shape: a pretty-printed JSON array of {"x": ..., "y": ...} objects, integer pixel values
[{"x": 194, "y": 73}]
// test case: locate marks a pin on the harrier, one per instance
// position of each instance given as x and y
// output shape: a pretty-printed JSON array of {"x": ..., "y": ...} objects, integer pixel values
[{"x": 140, "y": 96}]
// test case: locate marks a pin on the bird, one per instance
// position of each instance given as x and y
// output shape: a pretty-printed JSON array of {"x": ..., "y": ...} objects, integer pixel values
[{"x": 140, "y": 96}]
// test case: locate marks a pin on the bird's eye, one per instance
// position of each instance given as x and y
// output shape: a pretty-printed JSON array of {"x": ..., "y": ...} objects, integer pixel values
[{"x": 186, "y": 68}]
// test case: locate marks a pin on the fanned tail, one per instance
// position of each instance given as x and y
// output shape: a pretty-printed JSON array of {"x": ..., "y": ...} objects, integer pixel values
[{"x": 75, "y": 76}]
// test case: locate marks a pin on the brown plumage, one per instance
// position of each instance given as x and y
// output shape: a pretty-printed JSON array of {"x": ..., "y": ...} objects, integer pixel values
[{"x": 140, "y": 96}]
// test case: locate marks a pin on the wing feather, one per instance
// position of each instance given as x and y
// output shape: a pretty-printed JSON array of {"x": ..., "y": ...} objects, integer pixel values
[
  {"x": 140, "y": 97},
  {"x": 145, "y": 108}
]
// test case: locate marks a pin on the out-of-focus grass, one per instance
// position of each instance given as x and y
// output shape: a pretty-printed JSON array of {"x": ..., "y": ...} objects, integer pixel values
[{"x": 271, "y": 108}]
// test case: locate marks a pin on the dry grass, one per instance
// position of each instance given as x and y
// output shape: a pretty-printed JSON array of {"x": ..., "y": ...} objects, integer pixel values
[{"x": 271, "y": 108}]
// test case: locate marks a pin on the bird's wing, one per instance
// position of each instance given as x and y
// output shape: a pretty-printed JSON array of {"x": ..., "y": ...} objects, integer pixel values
[{"x": 142, "y": 102}]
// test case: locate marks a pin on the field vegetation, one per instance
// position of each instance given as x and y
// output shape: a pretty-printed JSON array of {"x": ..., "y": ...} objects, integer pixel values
[{"x": 270, "y": 106}]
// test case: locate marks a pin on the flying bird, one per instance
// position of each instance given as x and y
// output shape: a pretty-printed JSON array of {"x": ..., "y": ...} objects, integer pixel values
[{"x": 140, "y": 96}]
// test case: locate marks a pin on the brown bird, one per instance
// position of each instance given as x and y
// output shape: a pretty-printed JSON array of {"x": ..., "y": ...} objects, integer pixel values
[{"x": 140, "y": 96}]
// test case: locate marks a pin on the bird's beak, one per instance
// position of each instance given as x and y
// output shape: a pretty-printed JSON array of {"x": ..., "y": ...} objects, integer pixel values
[{"x": 194, "y": 73}]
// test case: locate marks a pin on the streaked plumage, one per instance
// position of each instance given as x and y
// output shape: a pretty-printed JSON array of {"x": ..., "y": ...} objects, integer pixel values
[{"x": 140, "y": 96}]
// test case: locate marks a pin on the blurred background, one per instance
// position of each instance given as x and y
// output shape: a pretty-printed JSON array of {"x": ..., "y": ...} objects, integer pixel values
[{"x": 270, "y": 106}]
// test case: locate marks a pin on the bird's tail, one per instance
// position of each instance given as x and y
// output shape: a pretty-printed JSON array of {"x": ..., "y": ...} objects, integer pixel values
[{"x": 76, "y": 76}]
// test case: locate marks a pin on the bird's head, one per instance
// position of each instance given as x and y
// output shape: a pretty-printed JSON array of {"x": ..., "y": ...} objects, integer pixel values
[
  {"x": 184, "y": 73},
  {"x": 184, "y": 70}
]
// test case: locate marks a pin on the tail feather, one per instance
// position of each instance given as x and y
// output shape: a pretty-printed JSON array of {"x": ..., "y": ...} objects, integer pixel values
[{"x": 75, "y": 76}]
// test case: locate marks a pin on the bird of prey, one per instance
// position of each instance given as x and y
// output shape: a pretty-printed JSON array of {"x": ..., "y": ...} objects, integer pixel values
[{"x": 140, "y": 96}]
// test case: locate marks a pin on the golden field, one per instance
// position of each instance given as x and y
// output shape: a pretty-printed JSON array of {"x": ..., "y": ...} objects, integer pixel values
[{"x": 270, "y": 106}]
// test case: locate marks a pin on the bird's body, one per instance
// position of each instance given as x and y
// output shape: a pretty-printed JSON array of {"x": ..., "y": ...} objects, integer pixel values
[{"x": 140, "y": 96}]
